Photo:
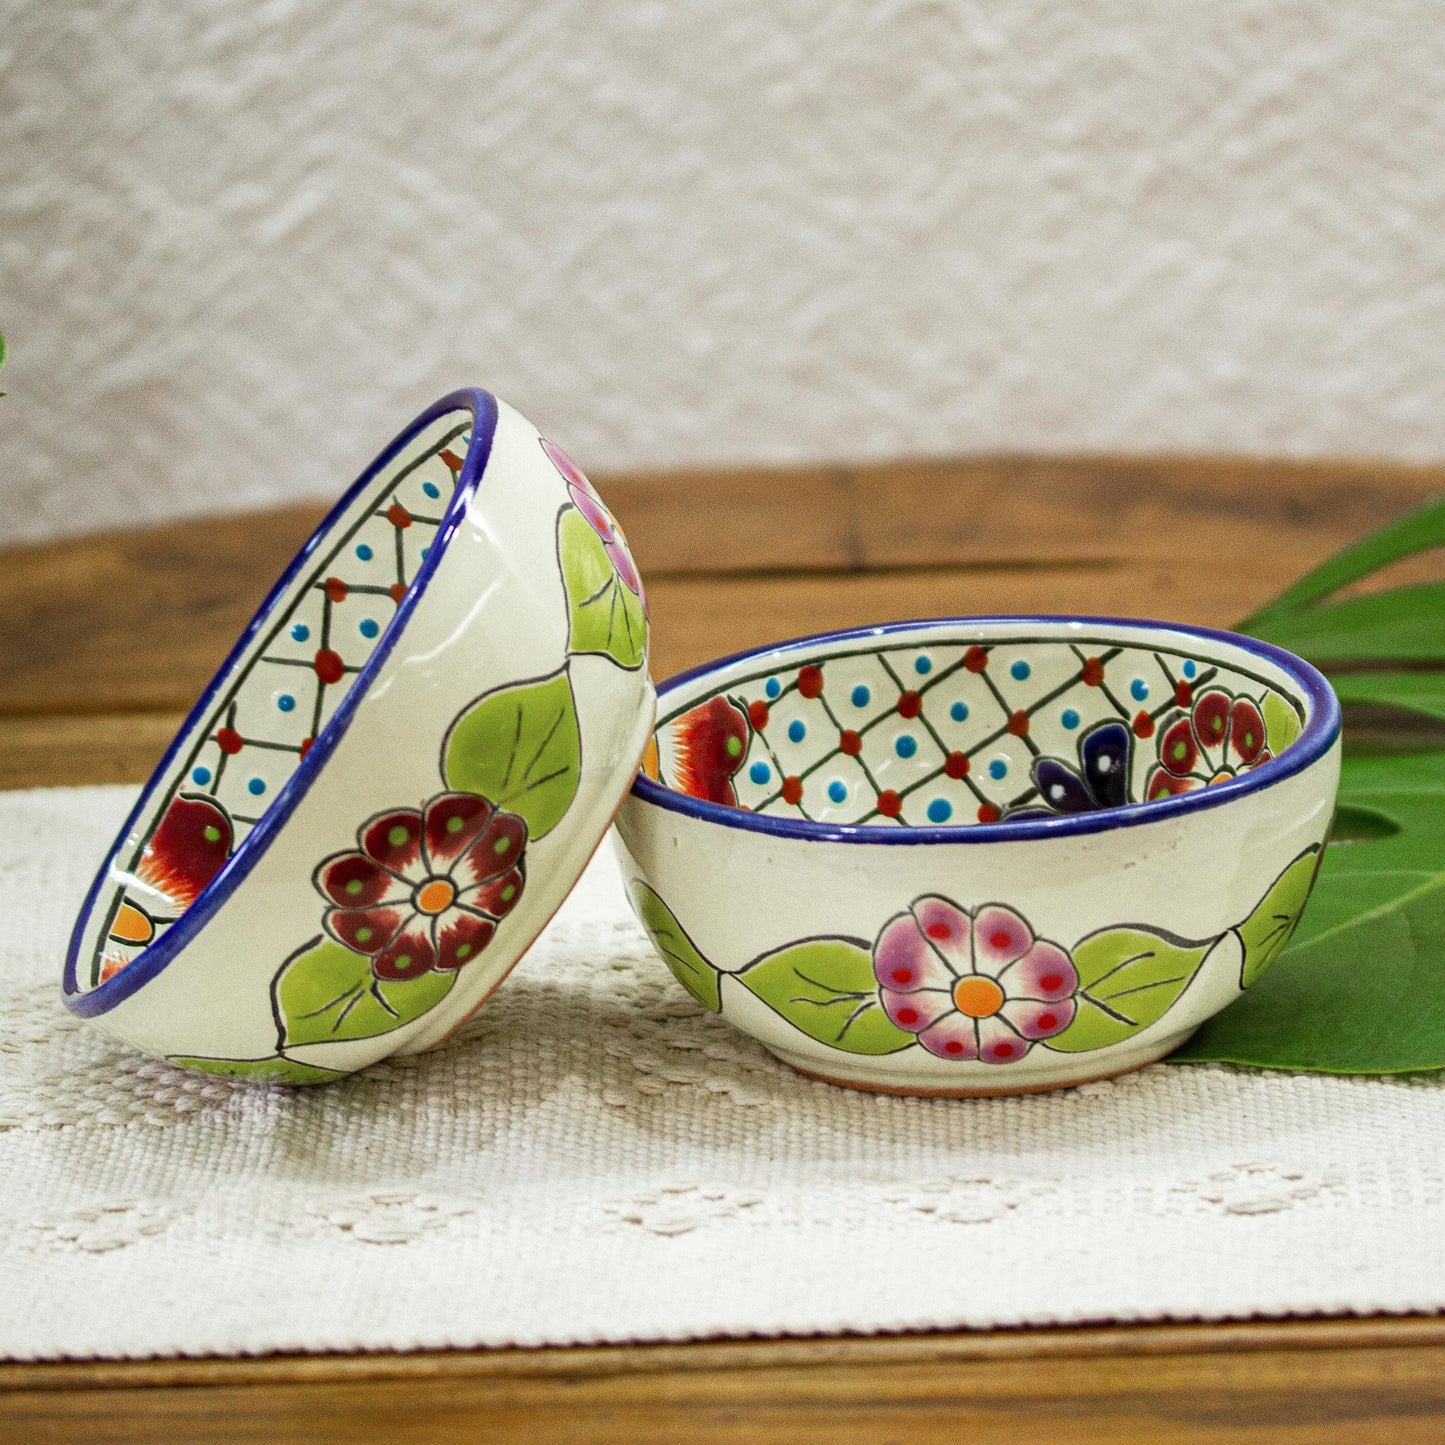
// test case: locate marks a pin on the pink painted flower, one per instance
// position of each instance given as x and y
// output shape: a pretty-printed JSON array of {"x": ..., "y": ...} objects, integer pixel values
[
  {"x": 586, "y": 500},
  {"x": 427, "y": 887},
  {"x": 977, "y": 986},
  {"x": 1218, "y": 738}
]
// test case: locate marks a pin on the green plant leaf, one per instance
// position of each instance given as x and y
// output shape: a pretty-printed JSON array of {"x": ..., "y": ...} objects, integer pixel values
[
  {"x": 273, "y": 1070},
  {"x": 1399, "y": 625},
  {"x": 1266, "y": 931},
  {"x": 1419, "y": 692},
  {"x": 1358, "y": 988},
  {"x": 678, "y": 951},
  {"x": 325, "y": 992},
  {"x": 1128, "y": 979},
  {"x": 826, "y": 988},
  {"x": 606, "y": 616},
  {"x": 520, "y": 747}
]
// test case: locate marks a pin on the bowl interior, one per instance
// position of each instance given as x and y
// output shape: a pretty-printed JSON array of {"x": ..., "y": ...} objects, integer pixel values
[
  {"x": 975, "y": 722},
  {"x": 273, "y": 699}
]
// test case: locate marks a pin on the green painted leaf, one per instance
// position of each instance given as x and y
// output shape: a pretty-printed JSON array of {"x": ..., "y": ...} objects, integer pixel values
[
  {"x": 273, "y": 1070},
  {"x": 606, "y": 615},
  {"x": 826, "y": 988},
  {"x": 1129, "y": 978},
  {"x": 326, "y": 992},
  {"x": 1266, "y": 931},
  {"x": 1281, "y": 723},
  {"x": 1358, "y": 989},
  {"x": 520, "y": 747},
  {"x": 678, "y": 951}
]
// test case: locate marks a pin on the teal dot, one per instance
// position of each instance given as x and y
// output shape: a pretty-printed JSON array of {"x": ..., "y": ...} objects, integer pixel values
[
  {"x": 760, "y": 773},
  {"x": 1190, "y": 669},
  {"x": 301, "y": 632},
  {"x": 905, "y": 745},
  {"x": 431, "y": 489},
  {"x": 940, "y": 810},
  {"x": 861, "y": 696},
  {"x": 1070, "y": 718},
  {"x": 1020, "y": 670},
  {"x": 256, "y": 787},
  {"x": 201, "y": 776},
  {"x": 368, "y": 627},
  {"x": 923, "y": 666},
  {"x": 797, "y": 731},
  {"x": 959, "y": 712},
  {"x": 838, "y": 791},
  {"x": 286, "y": 702},
  {"x": 998, "y": 769},
  {"x": 365, "y": 552},
  {"x": 772, "y": 687},
  {"x": 1139, "y": 689},
  {"x": 424, "y": 551}
]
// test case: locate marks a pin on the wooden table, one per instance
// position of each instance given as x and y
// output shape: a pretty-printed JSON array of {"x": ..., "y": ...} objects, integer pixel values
[{"x": 108, "y": 640}]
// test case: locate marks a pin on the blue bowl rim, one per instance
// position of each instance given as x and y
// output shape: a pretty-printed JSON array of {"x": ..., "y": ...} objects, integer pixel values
[
  {"x": 1315, "y": 740},
  {"x": 154, "y": 959}
]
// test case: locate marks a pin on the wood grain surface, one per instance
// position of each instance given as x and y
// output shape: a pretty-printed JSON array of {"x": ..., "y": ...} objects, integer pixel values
[{"x": 109, "y": 639}]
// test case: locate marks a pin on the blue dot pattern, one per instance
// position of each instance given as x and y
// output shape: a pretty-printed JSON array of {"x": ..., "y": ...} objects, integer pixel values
[
  {"x": 365, "y": 552},
  {"x": 368, "y": 627},
  {"x": 959, "y": 712},
  {"x": 1190, "y": 669},
  {"x": 201, "y": 776},
  {"x": 772, "y": 687},
  {"x": 1070, "y": 718},
  {"x": 256, "y": 786},
  {"x": 760, "y": 773},
  {"x": 431, "y": 489},
  {"x": 998, "y": 769},
  {"x": 906, "y": 745},
  {"x": 861, "y": 696},
  {"x": 838, "y": 791},
  {"x": 301, "y": 632},
  {"x": 1138, "y": 689},
  {"x": 797, "y": 731},
  {"x": 923, "y": 666},
  {"x": 286, "y": 702},
  {"x": 1020, "y": 671},
  {"x": 940, "y": 810}
]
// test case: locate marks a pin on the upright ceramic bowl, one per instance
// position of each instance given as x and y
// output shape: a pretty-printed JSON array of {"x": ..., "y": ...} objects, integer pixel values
[
  {"x": 395, "y": 777},
  {"x": 980, "y": 856}
]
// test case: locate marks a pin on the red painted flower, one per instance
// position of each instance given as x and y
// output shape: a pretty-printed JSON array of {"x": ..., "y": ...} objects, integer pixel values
[
  {"x": 977, "y": 986},
  {"x": 1218, "y": 738},
  {"x": 586, "y": 500},
  {"x": 427, "y": 887},
  {"x": 707, "y": 745}
]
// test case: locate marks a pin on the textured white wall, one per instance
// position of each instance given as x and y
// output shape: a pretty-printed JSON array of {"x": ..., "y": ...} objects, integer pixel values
[{"x": 240, "y": 242}]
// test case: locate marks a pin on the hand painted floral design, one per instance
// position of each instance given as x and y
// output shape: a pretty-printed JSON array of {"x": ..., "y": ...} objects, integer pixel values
[
  {"x": 1220, "y": 737},
  {"x": 585, "y": 499},
  {"x": 973, "y": 986},
  {"x": 188, "y": 848},
  {"x": 1101, "y": 780},
  {"x": 708, "y": 745},
  {"x": 427, "y": 887}
]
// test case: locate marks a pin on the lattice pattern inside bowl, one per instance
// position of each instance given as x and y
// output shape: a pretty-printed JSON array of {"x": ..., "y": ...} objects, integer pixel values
[{"x": 966, "y": 722}]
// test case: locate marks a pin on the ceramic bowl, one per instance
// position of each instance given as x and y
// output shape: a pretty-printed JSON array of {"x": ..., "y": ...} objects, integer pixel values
[
  {"x": 979, "y": 856},
  {"x": 395, "y": 777}
]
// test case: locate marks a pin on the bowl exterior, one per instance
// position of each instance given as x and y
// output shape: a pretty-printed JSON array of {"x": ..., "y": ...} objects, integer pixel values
[
  {"x": 1129, "y": 936},
  {"x": 488, "y": 661}
]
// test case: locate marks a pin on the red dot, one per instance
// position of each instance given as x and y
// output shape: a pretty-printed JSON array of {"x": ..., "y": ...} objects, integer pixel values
[
  {"x": 902, "y": 975},
  {"x": 939, "y": 931},
  {"x": 328, "y": 665},
  {"x": 975, "y": 659},
  {"x": 1047, "y": 1021},
  {"x": 1050, "y": 981},
  {"x": 336, "y": 589},
  {"x": 955, "y": 765},
  {"x": 398, "y": 516},
  {"x": 793, "y": 791},
  {"x": 306, "y": 744},
  {"x": 1143, "y": 724},
  {"x": 1018, "y": 724},
  {"x": 453, "y": 461},
  {"x": 889, "y": 803},
  {"x": 1001, "y": 939},
  {"x": 910, "y": 704},
  {"x": 758, "y": 714},
  {"x": 953, "y": 1047},
  {"x": 1093, "y": 673},
  {"x": 1183, "y": 694},
  {"x": 850, "y": 744},
  {"x": 908, "y": 1015},
  {"x": 229, "y": 741},
  {"x": 810, "y": 681},
  {"x": 988, "y": 813},
  {"x": 1003, "y": 1051},
  {"x": 398, "y": 591}
]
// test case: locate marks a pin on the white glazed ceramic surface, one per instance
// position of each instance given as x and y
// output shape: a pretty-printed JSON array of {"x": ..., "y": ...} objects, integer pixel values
[
  {"x": 982, "y": 855},
  {"x": 394, "y": 780}
]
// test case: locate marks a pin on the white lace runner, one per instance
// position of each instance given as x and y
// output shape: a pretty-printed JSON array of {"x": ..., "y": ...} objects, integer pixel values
[{"x": 596, "y": 1158}]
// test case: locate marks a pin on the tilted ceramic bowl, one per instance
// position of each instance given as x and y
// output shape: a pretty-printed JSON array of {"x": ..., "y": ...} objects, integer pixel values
[
  {"x": 981, "y": 856},
  {"x": 395, "y": 777}
]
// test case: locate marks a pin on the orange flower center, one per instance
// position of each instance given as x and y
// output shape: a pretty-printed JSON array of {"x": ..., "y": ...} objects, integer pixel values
[
  {"x": 131, "y": 926},
  {"x": 978, "y": 997},
  {"x": 435, "y": 895}
]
